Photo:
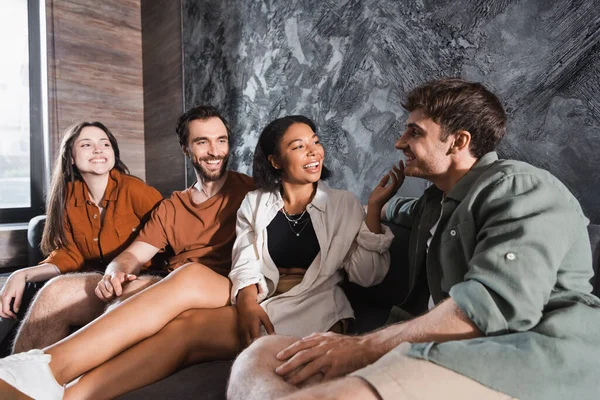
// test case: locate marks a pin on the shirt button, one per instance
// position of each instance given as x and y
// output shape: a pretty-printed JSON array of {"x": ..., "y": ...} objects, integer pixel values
[
  {"x": 510, "y": 256},
  {"x": 453, "y": 232},
  {"x": 95, "y": 239},
  {"x": 95, "y": 216}
]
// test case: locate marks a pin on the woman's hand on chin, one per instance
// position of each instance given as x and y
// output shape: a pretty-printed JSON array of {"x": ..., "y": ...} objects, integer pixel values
[{"x": 383, "y": 192}]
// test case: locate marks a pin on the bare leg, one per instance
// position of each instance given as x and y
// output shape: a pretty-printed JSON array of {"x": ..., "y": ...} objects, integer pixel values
[
  {"x": 253, "y": 373},
  {"x": 10, "y": 393},
  {"x": 194, "y": 336},
  {"x": 137, "y": 318},
  {"x": 65, "y": 301},
  {"x": 133, "y": 287}
]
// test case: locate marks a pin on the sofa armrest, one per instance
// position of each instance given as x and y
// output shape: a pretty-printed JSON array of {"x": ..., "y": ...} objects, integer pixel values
[{"x": 34, "y": 238}]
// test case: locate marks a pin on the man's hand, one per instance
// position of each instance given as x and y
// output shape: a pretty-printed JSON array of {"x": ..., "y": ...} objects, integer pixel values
[
  {"x": 251, "y": 316},
  {"x": 111, "y": 285},
  {"x": 330, "y": 354},
  {"x": 383, "y": 192},
  {"x": 13, "y": 289}
]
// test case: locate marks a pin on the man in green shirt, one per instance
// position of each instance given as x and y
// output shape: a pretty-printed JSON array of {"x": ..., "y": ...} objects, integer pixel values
[{"x": 499, "y": 271}]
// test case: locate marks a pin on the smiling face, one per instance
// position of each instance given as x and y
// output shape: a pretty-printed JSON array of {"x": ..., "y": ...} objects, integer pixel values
[
  {"x": 208, "y": 148},
  {"x": 300, "y": 155},
  {"x": 92, "y": 152},
  {"x": 427, "y": 156}
]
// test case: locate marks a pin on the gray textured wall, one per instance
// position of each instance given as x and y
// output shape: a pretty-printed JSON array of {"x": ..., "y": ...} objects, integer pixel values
[{"x": 347, "y": 65}]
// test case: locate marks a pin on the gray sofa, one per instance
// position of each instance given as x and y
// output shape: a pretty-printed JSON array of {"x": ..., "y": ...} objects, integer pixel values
[{"x": 208, "y": 380}]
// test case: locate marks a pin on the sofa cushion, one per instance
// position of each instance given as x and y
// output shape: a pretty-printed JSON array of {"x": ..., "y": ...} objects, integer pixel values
[{"x": 201, "y": 381}]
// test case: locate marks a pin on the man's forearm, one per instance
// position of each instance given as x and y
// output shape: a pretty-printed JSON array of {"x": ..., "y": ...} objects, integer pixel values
[
  {"x": 124, "y": 262},
  {"x": 444, "y": 323}
]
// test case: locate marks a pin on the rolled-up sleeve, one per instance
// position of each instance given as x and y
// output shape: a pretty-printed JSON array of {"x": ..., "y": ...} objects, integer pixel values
[
  {"x": 528, "y": 227},
  {"x": 479, "y": 305},
  {"x": 368, "y": 259},
  {"x": 68, "y": 258},
  {"x": 143, "y": 203},
  {"x": 154, "y": 231},
  {"x": 246, "y": 265},
  {"x": 401, "y": 210}
]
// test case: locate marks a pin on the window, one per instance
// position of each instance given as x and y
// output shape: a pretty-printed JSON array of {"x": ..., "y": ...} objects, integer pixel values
[{"x": 21, "y": 133}]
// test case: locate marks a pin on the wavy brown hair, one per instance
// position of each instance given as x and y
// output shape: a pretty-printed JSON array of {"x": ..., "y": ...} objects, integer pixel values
[
  {"x": 64, "y": 172},
  {"x": 456, "y": 105}
]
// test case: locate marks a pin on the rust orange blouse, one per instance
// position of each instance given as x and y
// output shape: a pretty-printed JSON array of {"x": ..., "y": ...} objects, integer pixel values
[{"x": 89, "y": 246}]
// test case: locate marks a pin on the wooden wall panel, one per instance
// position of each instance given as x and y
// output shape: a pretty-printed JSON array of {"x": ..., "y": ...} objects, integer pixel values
[
  {"x": 163, "y": 93},
  {"x": 95, "y": 71}
]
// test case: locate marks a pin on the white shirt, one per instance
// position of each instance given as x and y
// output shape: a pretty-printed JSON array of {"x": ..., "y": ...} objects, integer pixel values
[{"x": 346, "y": 243}]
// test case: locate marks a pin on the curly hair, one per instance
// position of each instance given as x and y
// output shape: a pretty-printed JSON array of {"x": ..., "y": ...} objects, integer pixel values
[{"x": 265, "y": 176}]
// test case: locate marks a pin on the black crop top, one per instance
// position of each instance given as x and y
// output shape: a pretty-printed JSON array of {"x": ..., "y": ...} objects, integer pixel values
[{"x": 292, "y": 244}]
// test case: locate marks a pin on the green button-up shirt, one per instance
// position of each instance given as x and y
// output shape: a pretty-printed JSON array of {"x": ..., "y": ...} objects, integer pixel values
[{"x": 512, "y": 250}]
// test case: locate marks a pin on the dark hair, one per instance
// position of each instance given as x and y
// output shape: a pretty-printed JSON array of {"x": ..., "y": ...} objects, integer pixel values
[
  {"x": 458, "y": 105},
  {"x": 202, "y": 112},
  {"x": 64, "y": 172},
  {"x": 265, "y": 176}
]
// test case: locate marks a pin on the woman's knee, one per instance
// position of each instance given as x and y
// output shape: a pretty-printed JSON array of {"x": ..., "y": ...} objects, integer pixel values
[
  {"x": 199, "y": 282},
  {"x": 193, "y": 271}
]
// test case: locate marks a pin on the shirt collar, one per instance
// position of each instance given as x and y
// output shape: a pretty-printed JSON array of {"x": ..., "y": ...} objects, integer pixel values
[
  {"x": 463, "y": 186},
  {"x": 319, "y": 201},
  {"x": 114, "y": 180},
  {"x": 80, "y": 191}
]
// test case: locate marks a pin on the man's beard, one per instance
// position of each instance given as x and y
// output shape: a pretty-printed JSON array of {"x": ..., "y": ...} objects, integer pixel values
[{"x": 210, "y": 176}]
